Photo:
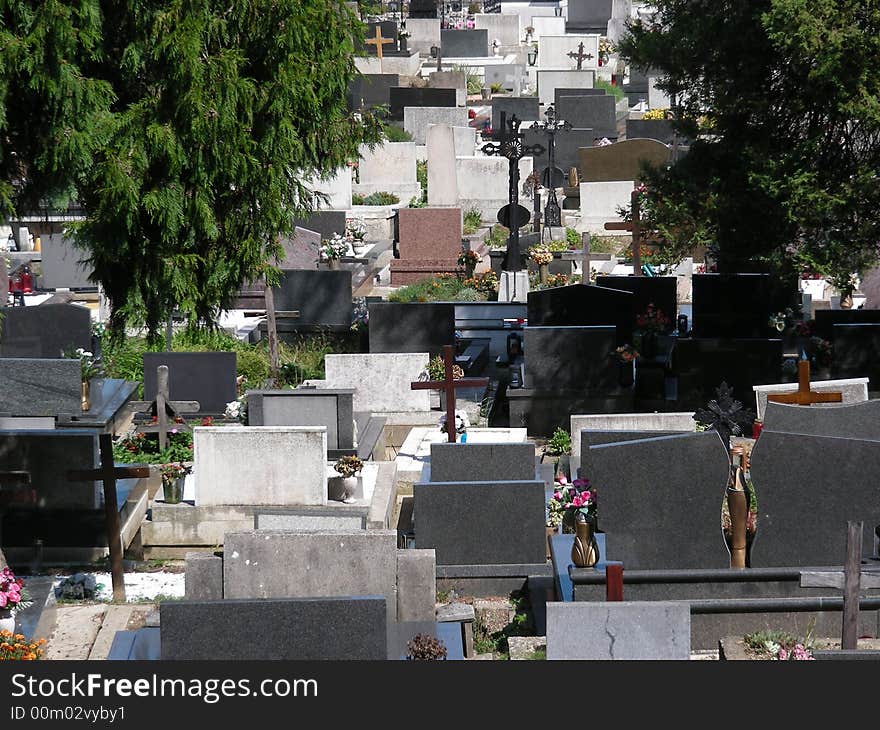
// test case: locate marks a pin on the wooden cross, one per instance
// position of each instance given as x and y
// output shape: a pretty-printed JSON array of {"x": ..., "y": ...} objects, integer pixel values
[
  {"x": 636, "y": 228},
  {"x": 108, "y": 474},
  {"x": 379, "y": 41},
  {"x": 163, "y": 407},
  {"x": 851, "y": 581},
  {"x": 804, "y": 396},
  {"x": 580, "y": 56},
  {"x": 449, "y": 385}
]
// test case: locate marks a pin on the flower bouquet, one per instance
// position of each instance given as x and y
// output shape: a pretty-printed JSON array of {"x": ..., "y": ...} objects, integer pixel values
[
  {"x": 568, "y": 501},
  {"x": 13, "y": 595}
]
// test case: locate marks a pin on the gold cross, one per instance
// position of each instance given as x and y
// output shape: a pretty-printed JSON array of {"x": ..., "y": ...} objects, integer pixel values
[
  {"x": 379, "y": 41},
  {"x": 804, "y": 396}
]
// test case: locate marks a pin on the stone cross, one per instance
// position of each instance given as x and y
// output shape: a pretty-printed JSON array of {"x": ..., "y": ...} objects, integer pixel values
[
  {"x": 163, "y": 407},
  {"x": 804, "y": 396},
  {"x": 850, "y": 581},
  {"x": 449, "y": 385},
  {"x": 379, "y": 41},
  {"x": 580, "y": 56},
  {"x": 635, "y": 226},
  {"x": 108, "y": 474}
]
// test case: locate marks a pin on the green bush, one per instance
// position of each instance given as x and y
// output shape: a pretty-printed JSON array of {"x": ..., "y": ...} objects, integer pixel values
[
  {"x": 615, "y": 91},
  {"x": 497, "y": 238},
  {"x": 472, "y": 220},
  {"x": 381, "y": 198},
  {"x": 572, "y": 238},
  {"x": 393, "y": 133},
  {"x": 469, "y": 295}
]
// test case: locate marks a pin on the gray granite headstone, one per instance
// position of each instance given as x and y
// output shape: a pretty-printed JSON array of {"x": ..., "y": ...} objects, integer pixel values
[
  {"x": 45, "y": 331},
  {"x": 464, "y": 43},
  {"x": 302, "y": 250},
  {"x": 40, "y": 387},
  {"x": 525, "y": 108},
  {"x": 287, "y": 629},
  {"x": 61, "y": 264},
  {"x": 282, "y": 564},
  {"x": 808, "y": 487},
  {"x": 592, "y": 437},
  {"x": 369, "y": 90},
  {"x": 206, "y": 377},
  {"x": 203, "y": 580},
  {"x": 589, "y": 15},
  {"x": 853, "y": 420},
  {"x": 306, "y": 407},
  {"x": 481, "y": 523},
  {"x": 568, "y": 145},
  {"x": 476, "y": 462},
  {"x": 590, "y": 112},
  {"x": 627, "y": 630},
  {"x": 404, "y": 96},
  {"x": 659, "y": 500},
  {"x": 324, "y": 222},
  {"x": 47, "y": 456}
]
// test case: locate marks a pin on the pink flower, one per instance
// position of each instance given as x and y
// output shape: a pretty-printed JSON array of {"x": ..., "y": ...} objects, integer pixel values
[
  {"x": 783, "y": 655},
  {"x": 562, "y": 479},
  {"x": 557, "y": 495},
  {"x": 3, "y": 600}
]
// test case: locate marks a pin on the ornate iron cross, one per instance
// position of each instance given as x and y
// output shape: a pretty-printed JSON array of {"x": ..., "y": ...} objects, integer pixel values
[
  {"x": 580, "y": 56},
  {"x": 508, "y": 142},
  {"x": 552, "y": 177}
]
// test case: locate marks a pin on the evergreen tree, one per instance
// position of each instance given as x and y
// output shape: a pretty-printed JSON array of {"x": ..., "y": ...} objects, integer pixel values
[
  {"x": 780, "y": 98},
  {"x": 220, "y": 111}
]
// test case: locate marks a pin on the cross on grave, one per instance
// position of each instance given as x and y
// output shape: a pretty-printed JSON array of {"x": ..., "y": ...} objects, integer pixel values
[
  {"x": 850, "y": 581},
  {"x": 449, "y": 385},
  {"x": 804, "y": 396},
  {"x": 379, "y": 41},
  {"x": 635, "y": 227},
  {"x": 580, "y": 56},
  {"x": 108, "y": 474},
  {"x": 552, "y": 177},
  {"x": 508, "y": 142},
  {"x": 163, "y": 407}
]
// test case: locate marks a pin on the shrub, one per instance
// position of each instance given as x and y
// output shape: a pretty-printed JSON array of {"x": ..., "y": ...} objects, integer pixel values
[
  {"x": 393, "y": 133},
  {"x": 615, "y": 91},
  {"x": 381, "y": 198},
  {"x": 472, "y": 220},
  {"x": 572, "y": 238},
  {"x": 498, "y": 237},
  {"x": 469, "y": 295},
  {"x": 443, "y": 288}
]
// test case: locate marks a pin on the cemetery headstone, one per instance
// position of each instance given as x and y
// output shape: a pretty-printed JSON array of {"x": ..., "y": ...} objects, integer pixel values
[
  {"x": 589, "y": 15},
  {"x": 524, "y": 107},
  {"x": 620, "y": 161},
  {"x": 855, "y": 420},
  {"x": 61, "y": 267},
  {"x": 661, "y": 291},
  {"x": 736, "y": 305},
  {"x": 857, "y": 352},
  {"x": 464, "y": 43},
  {"x": 381, "y": 380},
  {"x": 430, "y": 243},
  {"x": 467, "y": 462},
  {"x": 40, "y": 387},
  {"x": 371, "y": 90},
  {"x": 306, "y": 407},
  {"x": 324, "y": 222},
  {"x": 322, "y": 298},
  {"x": 583, "y": 306},
  {"x": 45, "y": 331},
  {"x": 401, "y": 97},
  {"x": 206, "y": 377}
]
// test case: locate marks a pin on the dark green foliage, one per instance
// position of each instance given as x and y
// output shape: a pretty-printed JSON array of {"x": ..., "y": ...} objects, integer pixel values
[
  {"x": 381, "y": 198},
  {"x": 780, "y": 98},
  {"x": 393, "y": 133},
  {"x": 189, "y": 130}
]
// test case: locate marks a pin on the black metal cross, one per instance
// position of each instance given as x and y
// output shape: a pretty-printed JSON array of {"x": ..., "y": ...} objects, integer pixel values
[
  {"x": 552, "y": 177},
  {"x": 109, "y": 473},
  {"x": 508, "y": 142},
  {"x": 580, "y": 56}
]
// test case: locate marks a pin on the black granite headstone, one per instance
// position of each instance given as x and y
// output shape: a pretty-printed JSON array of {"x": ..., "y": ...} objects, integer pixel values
[
  {"x": 570, "y": 358},
  {"x": 568, "y": 91},
  {"x": 592, "y": 15},
  {"x": 659, "y": 129},
  {"x": 481, "y": 523},
  {"x": 827, "y": 318},
  {"x": 567, "y": 145},
  {"x": 583, "y": 306},
  {"x": 659, "y": 500},
  {"x": 325, "y": 222},
  {"x": 411, "y": 327},
  {"x": 857, "y": 352},
  {"x": 206, "y": 377},
  {"x": 303, "y": 629},
  {"x": 703, "y": 364},
  {"x": 808, "y": 487},
  {"x": 404, "y": 96},
  {"x": 464, "y": 43},
  {"x": 45, "y": 331},
  {"x": 737, "y": 305},
  {"x": 423, "y": 9},
  {"x": 525, "y": 108},
  {"x": 661, "y": 291},
  {"x": 388, "y": 29},
  {"x": 369, "y": 90},
  {"x": 322, "y": 298}
]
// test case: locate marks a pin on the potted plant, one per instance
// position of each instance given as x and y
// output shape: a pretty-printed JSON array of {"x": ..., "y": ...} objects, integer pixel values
[
  {"x": 90, "y": 367},
  {"x": 542, "y": 256},
  {"x": 13, "y": 598},
  {"x": 173, "y": 479},
  {"x": 469, "y": 259},
  {"x": 333, "y": 249},
  {"x": 344, "y": 488},
  {"x": 559, "y": 447},
  {"x": 355, "y": 233}
]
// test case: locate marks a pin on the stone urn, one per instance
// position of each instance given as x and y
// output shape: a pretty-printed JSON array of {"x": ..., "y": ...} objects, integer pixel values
[{"x": 345, "y": 489}]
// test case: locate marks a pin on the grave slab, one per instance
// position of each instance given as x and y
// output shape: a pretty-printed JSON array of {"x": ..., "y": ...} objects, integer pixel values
[
  {"x": 45, "y": 331},
  {"x": 475, "y": 462}
]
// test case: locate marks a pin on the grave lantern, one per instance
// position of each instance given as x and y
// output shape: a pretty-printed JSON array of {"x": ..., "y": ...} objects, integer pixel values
[
  {"x": 514, "y": 346},
  {"x": 532, "y": 55}
]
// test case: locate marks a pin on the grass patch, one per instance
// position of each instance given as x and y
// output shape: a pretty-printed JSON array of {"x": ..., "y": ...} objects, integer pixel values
[
  {"x": 606, "y": 244},
  {"x": 496, "y": 643}
]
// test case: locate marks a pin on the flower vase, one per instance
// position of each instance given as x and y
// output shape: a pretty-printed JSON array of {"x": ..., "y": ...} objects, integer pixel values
[
  {"x": 544, "y": 272},
  {"x": 626, "y": 374},
  {"x": 86, "y": 396},
  {"x": 333, "y": 264},
  {"x": 469, "y": 269},
  {"x": 585, "y": 550},
  {"x": 343, "y": 489},
  {"x": 173, "y": 490},
  {"x": 7, "y": 620}
]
